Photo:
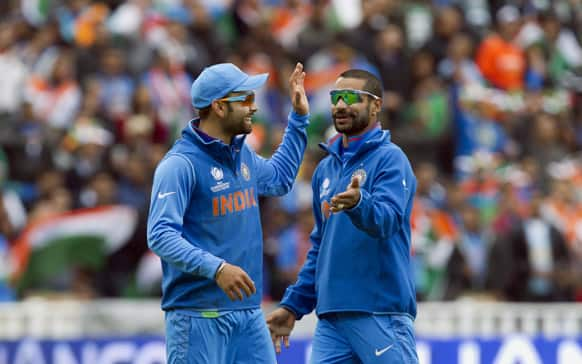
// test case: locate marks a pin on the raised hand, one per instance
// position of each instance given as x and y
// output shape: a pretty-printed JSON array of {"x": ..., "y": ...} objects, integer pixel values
[
  {"x": 347, "y": 199},
  {"x": 297, "y": 91},
  {"x": 280, "y": 323},
  {"x": 235, "y": 282}
]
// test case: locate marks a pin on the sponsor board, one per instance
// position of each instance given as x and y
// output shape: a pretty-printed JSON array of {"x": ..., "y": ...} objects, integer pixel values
[{"x": 514, "y": 349}]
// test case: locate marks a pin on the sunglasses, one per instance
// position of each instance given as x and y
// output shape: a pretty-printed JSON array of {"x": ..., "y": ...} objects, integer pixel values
[
  {"x": 350, "y": 97},
  {"x": 246, "y": 99}
]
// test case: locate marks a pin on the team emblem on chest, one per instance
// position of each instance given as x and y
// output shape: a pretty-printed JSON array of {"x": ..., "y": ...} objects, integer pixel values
[
  {"x": 245, "y": 171},
  {"x": 217, "y": 173},
  {"x": 361, "y": 174},
  {"x": 324, "y": 190}
]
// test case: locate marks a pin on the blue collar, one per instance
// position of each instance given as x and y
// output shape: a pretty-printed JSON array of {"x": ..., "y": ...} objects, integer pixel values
[
  {"x": 192, "y": 132},
  {"x": 354, "y": 142},
  {"x": 362, "y": 143},
  {"x": 196, "y": 128}
]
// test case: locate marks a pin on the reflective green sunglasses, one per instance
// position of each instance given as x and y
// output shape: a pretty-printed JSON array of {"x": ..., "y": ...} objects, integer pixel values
[
  {"x": 349, "y": 96},
  {"x": 247, "y": 99}
]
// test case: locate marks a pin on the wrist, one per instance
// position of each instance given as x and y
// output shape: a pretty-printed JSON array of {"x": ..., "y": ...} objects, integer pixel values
[
  {"x": 299, "y": 116},
  {"x": 219, "y": 270},
  {"x": 290, "y": 310}
]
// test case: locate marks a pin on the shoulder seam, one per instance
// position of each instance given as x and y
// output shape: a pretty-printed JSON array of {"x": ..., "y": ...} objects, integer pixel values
[{"x": 189, "y": 163}]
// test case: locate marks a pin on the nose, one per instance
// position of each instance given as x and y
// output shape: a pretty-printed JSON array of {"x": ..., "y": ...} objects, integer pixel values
[{"x": 340, "y": 104}]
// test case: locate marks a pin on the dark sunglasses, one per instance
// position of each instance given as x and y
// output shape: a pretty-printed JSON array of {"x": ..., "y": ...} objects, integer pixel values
[
  {"x": 350, "y": 97},
  {"x": 246, "y": 99}
]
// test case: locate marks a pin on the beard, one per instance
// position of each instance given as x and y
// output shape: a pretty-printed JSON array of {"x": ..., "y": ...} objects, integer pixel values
[
  {"x": 237, "y": 123},
  {"x": 350, "y": 122},
  {"x": 243, "y": 125}
]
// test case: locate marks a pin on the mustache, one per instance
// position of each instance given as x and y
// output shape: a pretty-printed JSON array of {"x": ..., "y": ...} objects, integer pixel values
[{"x": 343, "y": 114}]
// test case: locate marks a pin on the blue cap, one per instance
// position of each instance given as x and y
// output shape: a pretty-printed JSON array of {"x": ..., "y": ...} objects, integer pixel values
[{"x": 217, "y": 81}]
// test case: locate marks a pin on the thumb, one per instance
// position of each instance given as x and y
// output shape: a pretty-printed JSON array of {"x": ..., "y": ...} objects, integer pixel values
[{"x": 355, "y": 182}]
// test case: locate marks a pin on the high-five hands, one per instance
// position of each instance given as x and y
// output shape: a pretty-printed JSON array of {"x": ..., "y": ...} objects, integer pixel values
[
  {"x": 235, "y": 282},
  {"x": 297, "y": 91},
  {"x": 347, "y": 199},
  {"x": 281, "y": 323}
]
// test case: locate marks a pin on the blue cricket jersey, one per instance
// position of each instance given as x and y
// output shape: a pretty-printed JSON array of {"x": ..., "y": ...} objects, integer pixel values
[
  {"x": 204, "y": 210},
  {"x": 360, "y": 258}
]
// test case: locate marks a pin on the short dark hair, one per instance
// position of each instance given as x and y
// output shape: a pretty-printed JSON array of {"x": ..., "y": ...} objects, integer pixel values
[
  {"x": 373, "y": 84},
  {"x": 204, "y": 112}
]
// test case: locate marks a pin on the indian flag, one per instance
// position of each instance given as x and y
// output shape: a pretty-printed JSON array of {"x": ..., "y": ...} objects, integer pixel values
[{"x": 80, "y": 238}]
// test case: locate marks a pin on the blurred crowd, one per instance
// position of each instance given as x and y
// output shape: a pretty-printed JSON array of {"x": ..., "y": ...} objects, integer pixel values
[{"x": 485, "y": 97}]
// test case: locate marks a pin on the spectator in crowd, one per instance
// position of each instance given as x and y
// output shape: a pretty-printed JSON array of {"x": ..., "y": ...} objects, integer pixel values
[
  {"x": 116, "y": 87},
  {"x": 13, "y": 72},
  {"x": 500, "y": 59},
  {"x": 448, "y": 23},
  {"x": 56, "y": 99},
  {"x": 539, "y": 266}
]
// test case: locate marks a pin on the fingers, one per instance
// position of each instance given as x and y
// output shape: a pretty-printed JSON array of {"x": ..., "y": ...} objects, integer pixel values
[
  {"x": 274, "y": 339},
  {"x": 277, "y": 342},
  {"x": 347, "y": 199},
  {"x": 248, "y": 286},
  {"x": 236, "y": 283},
  {"x": 244, "y": 286},
  {"x": 237, "y": 294},
  {"x": 343, "y": 200},
  {"x": 232, "y": 294},
  {"x": 297, "y": 73}
]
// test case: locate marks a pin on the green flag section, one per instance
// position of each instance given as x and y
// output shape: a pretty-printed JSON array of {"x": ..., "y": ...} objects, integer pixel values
[
  {"x": 81, "y": 239},
  {"x": 50, "y": 266}
]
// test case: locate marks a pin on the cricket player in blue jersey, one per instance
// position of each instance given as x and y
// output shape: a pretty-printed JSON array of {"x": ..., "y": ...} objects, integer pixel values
[
  {"x": 358, "y": 275},
  {"x": 204, "y": 220}
]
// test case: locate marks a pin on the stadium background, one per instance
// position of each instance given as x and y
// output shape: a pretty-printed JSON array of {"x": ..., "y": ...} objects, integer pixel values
[{"x": 485, "y": 99}]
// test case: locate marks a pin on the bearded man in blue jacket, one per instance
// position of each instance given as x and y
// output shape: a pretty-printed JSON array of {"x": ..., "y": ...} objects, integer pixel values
[
  {"x": 204, "y": 220},
  {"x": 357, "y": 275}
]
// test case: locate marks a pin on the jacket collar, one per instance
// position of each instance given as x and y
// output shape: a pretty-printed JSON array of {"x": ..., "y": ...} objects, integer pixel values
[
  {"x": 373, "y": 139},
  {"x": 211, "y": 144}
]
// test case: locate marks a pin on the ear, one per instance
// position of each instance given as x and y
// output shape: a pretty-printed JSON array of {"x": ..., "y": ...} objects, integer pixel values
[
  {"x": 218, "y": 108},
  {"x": 376, "y": 107}
]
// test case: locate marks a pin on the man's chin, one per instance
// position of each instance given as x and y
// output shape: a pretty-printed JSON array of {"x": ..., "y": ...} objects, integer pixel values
[{"x": 340, "y": 128}]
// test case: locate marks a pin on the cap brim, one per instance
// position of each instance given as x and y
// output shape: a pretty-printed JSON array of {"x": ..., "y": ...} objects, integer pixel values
[{"x": 253, "y": 82}]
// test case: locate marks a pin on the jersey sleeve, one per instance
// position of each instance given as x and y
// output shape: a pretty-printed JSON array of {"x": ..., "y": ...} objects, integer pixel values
[
  {"x": 275, "y": 176},
  {"x": 382, "y": 209},
  {"x": 301, "y": 297},
  {"x": 174, "y": 181}
]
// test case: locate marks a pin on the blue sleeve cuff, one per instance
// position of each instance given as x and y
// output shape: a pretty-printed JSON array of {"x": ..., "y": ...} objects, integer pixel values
[
  {"x": 211, "y": 266},
  {"x": 354, "y": 210},
  {"x": 297, "y": 303},
  {"x": 359, "y": 201},
  {"x": 292, "y": 310}
]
